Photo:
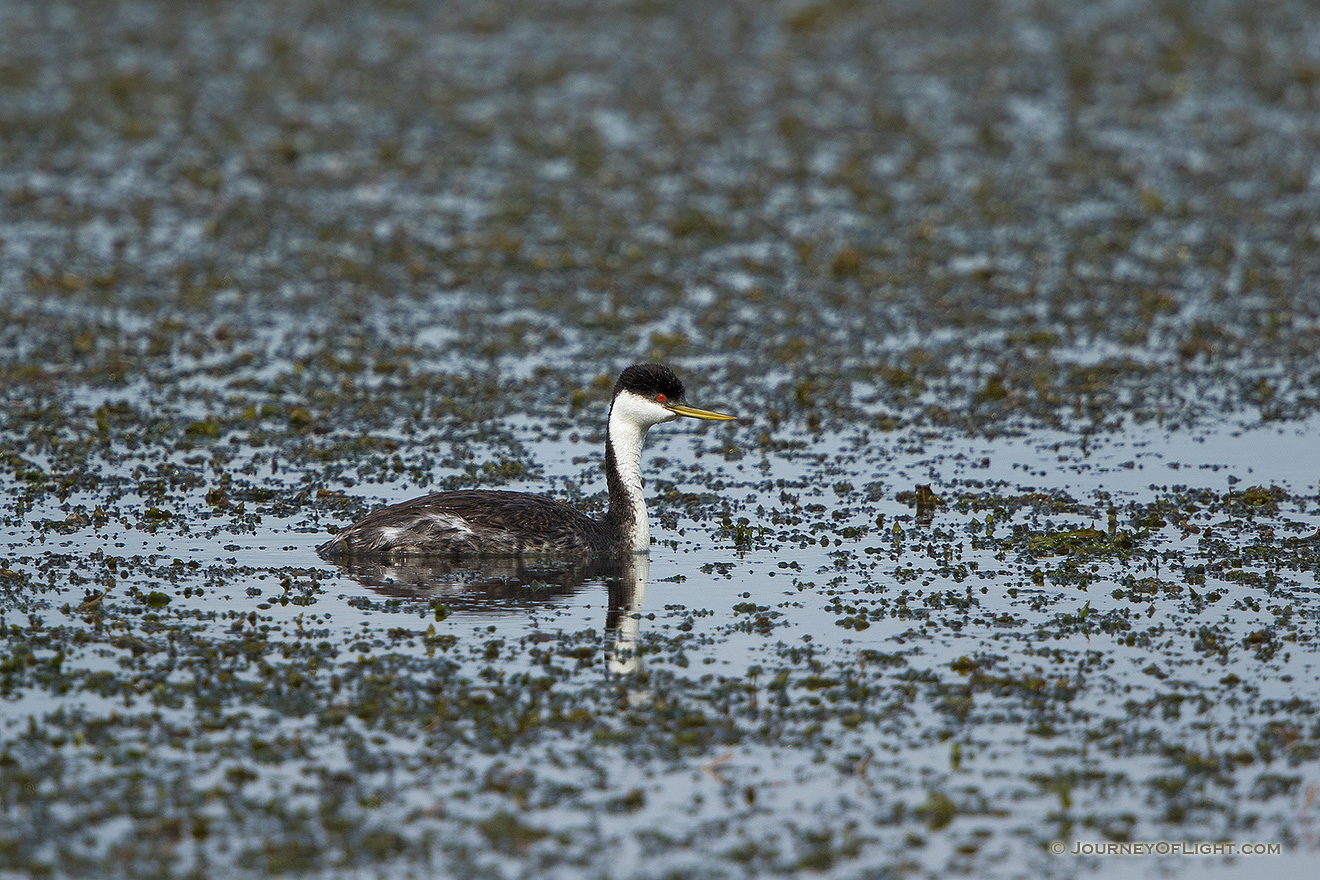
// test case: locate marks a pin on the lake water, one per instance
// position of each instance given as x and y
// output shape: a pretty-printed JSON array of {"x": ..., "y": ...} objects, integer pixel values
[{"x": 1013, "y": 545}]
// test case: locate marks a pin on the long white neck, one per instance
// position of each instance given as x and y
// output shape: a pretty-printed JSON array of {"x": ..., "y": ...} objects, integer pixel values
[{"x": 625, "y": 437}]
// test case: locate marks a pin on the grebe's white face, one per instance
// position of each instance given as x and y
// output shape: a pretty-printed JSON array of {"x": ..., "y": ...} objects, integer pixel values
[
  {"x": 641, "y": 411},
  {"x": 631, "y": 417}
]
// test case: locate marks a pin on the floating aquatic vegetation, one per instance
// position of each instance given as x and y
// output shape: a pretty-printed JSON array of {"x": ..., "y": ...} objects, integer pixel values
[{"x": 1018, "y": 543}]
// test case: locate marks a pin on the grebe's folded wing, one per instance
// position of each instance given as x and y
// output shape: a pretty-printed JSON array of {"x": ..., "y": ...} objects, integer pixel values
[{"x": 483, "y": 522}]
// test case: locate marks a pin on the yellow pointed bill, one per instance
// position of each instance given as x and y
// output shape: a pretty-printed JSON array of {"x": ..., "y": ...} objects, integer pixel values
[{"x": 693, "y": 413}]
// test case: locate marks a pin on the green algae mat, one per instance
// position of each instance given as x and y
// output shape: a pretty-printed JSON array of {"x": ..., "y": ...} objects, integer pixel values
[{"x": 1008, "y": 569}]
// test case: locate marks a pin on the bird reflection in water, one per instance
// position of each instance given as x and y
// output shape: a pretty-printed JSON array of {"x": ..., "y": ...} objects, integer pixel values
[{"x": 513, "y": 585}]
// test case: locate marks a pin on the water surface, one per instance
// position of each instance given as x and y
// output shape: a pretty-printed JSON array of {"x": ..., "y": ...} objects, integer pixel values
[{"x": 1015, "y": 542}]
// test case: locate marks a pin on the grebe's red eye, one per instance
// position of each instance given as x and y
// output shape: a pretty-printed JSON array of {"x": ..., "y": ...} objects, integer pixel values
[{"x": 660, "y": 397}]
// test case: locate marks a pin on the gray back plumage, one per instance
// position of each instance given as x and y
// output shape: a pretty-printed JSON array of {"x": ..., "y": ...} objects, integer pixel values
[{"x": 474, "y": 522}]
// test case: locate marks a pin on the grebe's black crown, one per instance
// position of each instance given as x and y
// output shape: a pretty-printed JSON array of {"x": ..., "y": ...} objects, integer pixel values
[{"x": 649, "y": 380}]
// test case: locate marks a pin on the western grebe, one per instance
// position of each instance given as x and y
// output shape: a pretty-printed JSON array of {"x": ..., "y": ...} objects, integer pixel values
[{"x": 495, "y": 523}]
